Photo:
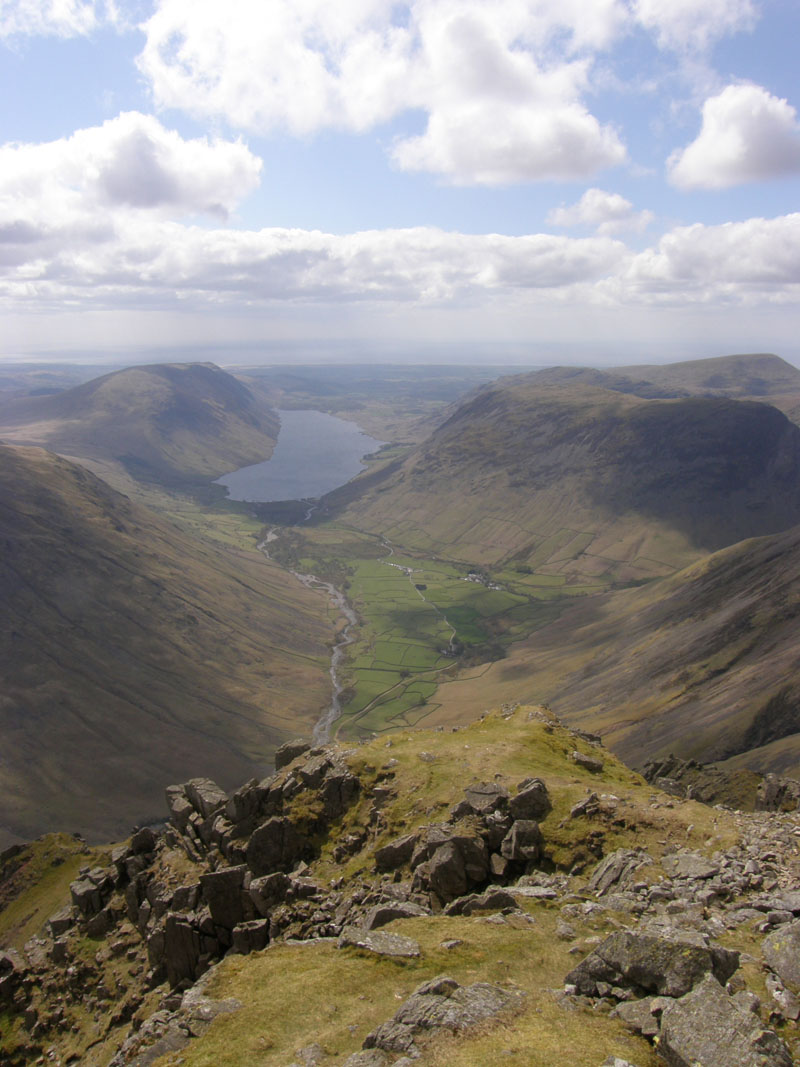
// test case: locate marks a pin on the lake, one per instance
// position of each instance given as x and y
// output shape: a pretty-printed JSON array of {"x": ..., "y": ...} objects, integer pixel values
[{"x": 315, "y": 453}]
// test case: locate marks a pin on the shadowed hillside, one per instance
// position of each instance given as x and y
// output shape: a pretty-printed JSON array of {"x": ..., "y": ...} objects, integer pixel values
[
  {"x": 170, "y": 423},
  {"x": 132, "y": 654},
  {"x": 581, "y": 480}
]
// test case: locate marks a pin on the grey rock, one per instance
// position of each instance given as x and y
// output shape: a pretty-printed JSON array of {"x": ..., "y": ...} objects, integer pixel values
[
  {"x": 205, "y": 796},
  {"x": 269, "y": 891},
  {"x": 655, "y": 964},
  {"x": 223, "y": 890},
  {"x": 276, "y": 845},
  {"x": 781, "y": 951},
  {"x": 616, "y": 869},
  {"x": 387, "y": 912},
  {"x": 396, "y": 853},
  {"x": 486, "y": 797},
  {"x": 250, "y": 936},
  {"x": 690, "y": 865},
  {"x": 86, "y": 896},
  {"x": 371, "y": 1057},
  {"x": 589, "y": 763},
  {"x": 639, "y": 1016},
  {"x": 143, "y": 840},
  {"x": 523, "y": 843},
  {"x": 289, "y": 751},
  {"x": 179, "y": 806},
  {"x": 458, "y": 860},
  {"x": 492, "y": 899},
  {"x": 441, "y": 1005},
  {"x": 379, "y": 942},
  {"x": 532, "y": 801},
  {"x": 62, "y": 921},
  {"x": 706, "y": 1027},
  {"x": 181, "y": 949}
]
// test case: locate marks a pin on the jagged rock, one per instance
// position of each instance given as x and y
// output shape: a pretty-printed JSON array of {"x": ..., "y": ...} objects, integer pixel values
[
  {"x": 690, "y": 865},
  {"x": 388, "y": 911},
  {"x": 782, "y": 954},
  {"x": 182, "y": 949},
  {"x": 314, "y": 769},
  {"x": 523, "y": 843},
  {"x": 616, "y": 869},
  {"x": 289, "y": 751},
  {"x": 338, "y": 791},
  {"x": 268, "y": 891},
  {"x": 62, "y": 921},
  {"x": 144, "y": 840},
  {"x": 531, "y": 801},
  {"x": 379, "y": 942},
  {"x": 180, "y": 808},
  {"x": 274, "y": 846},
  {"x": 441, "y": 1004},
  {"x": 589, "y": 763},
  {"x": 223, "y": 891},
  {"x": 205, "y": 796},
  {"x": 706, "y": 1027},
  {"x": 250, "y": 936},
  {"x": 486, "y": 797},
  {"x": 396, "y": 853},
  {"x": 86, "y": 896},
  {"x": 492, "y": 899},
  {"x": 655, "y": 964},
  {"x": 641, "y": 1015}
]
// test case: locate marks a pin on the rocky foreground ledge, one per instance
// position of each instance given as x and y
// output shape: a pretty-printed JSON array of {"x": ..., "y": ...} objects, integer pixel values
[{"x": 674, "y": 926}]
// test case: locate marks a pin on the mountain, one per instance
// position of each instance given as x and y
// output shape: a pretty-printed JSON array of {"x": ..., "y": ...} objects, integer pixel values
[
  {"x": 704, "y": 663},
  {"x": 132, "y": 653},
  {"x": 508, "y": 892},
  {"x": 165, "y": 423},
  {"x": 587, "y": 482},
  {"x": 743, "y": 376}
]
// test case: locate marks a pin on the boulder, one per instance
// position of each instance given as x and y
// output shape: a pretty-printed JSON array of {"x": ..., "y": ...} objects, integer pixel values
[
  {"x": 616, "y": 869},
  {"x": 457, "y": 862},
  {"x": 650, "y": 963},
  {"x": 250, "y": 937},
  {"x": 86, "y": 897},
  {"x": 486, "y": 797},
  {"x": 144, "y": 840},
  {"x": 289, "y": 751},
  {"x": 706, "y": 1027},
  {"x": 396, "y": 853},
  {"x": 276, "y": 845},
  {"x": 268, "y": 891},
  {"x": 690, "y": 865},
  {"x": 781, "y": 951},
  {"x": 388, "y": 911},
  {"x": 523, "y": 842},
  {"x": 179, "y": 806},
  {"x": 223, "y": 890},
  {"x": 532, "y": 801},
  {"x": 380, "y": 942},
  {"x": 438, "y": 1006},
  {"x": 589, "y": 763},
  {"x": 181, "y": 949},
  {"x": 492, "y": 899}
]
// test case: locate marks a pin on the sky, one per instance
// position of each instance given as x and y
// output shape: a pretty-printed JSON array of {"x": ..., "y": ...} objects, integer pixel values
[{"x": 572, "y": 181}]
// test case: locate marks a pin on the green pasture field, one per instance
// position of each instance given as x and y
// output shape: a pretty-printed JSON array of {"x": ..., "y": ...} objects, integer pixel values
[{"x": 411, "y": 606}]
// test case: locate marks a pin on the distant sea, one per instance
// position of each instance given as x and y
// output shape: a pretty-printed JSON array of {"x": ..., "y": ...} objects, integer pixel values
[{"x": 315, "y": 453}]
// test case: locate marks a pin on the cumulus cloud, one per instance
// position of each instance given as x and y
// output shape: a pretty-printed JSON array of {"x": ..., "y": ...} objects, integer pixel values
[
  {"x": 130, "y": 162},
  {"x": 733, "y": 262},
  {"x": 502, "y": 86},
  {"x": 692, "y": 26},
  {"x": 606, "y": 212},
  {"x": 747, "y": 135}
]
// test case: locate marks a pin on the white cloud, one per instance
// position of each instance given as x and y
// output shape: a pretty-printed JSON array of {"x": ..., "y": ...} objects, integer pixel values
[
  {"x": 758, "y": 259},
  {"x": 130, "y": 163},
  {"x": 747, "y": 135},
  {"x": 502, "y": 85},
  {"x": 55, "y": 18},
  {"x": 691, "y": 25},
  {"x": 606, "y": 212}
]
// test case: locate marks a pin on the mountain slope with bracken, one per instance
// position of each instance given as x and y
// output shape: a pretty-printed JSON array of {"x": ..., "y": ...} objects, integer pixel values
[{"x": 132, "y": 653}]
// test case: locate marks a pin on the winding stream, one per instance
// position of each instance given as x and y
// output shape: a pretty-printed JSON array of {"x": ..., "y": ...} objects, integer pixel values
[{"x": 322, "y": 730}]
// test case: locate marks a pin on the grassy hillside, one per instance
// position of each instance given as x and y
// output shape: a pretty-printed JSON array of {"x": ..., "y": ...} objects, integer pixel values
[
  {"x": 166, "y": 423},
  {"x": 704, "y": 663},
  {"x": 134, "y": 654},
  {"x": 587, "y": 482}
]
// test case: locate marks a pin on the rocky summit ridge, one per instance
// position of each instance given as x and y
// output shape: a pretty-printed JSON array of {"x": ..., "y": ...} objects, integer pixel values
[{"x": 504, "y": 892}]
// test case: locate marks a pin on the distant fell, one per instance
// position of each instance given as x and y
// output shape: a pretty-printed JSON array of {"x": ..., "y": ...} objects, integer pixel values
[
  {"x": 166, "y": 423},
  {"x": 132, "y": 654}
]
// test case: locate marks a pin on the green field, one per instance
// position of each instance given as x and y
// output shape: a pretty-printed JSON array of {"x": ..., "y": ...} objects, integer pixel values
[{"x": 421, "y": 619}]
